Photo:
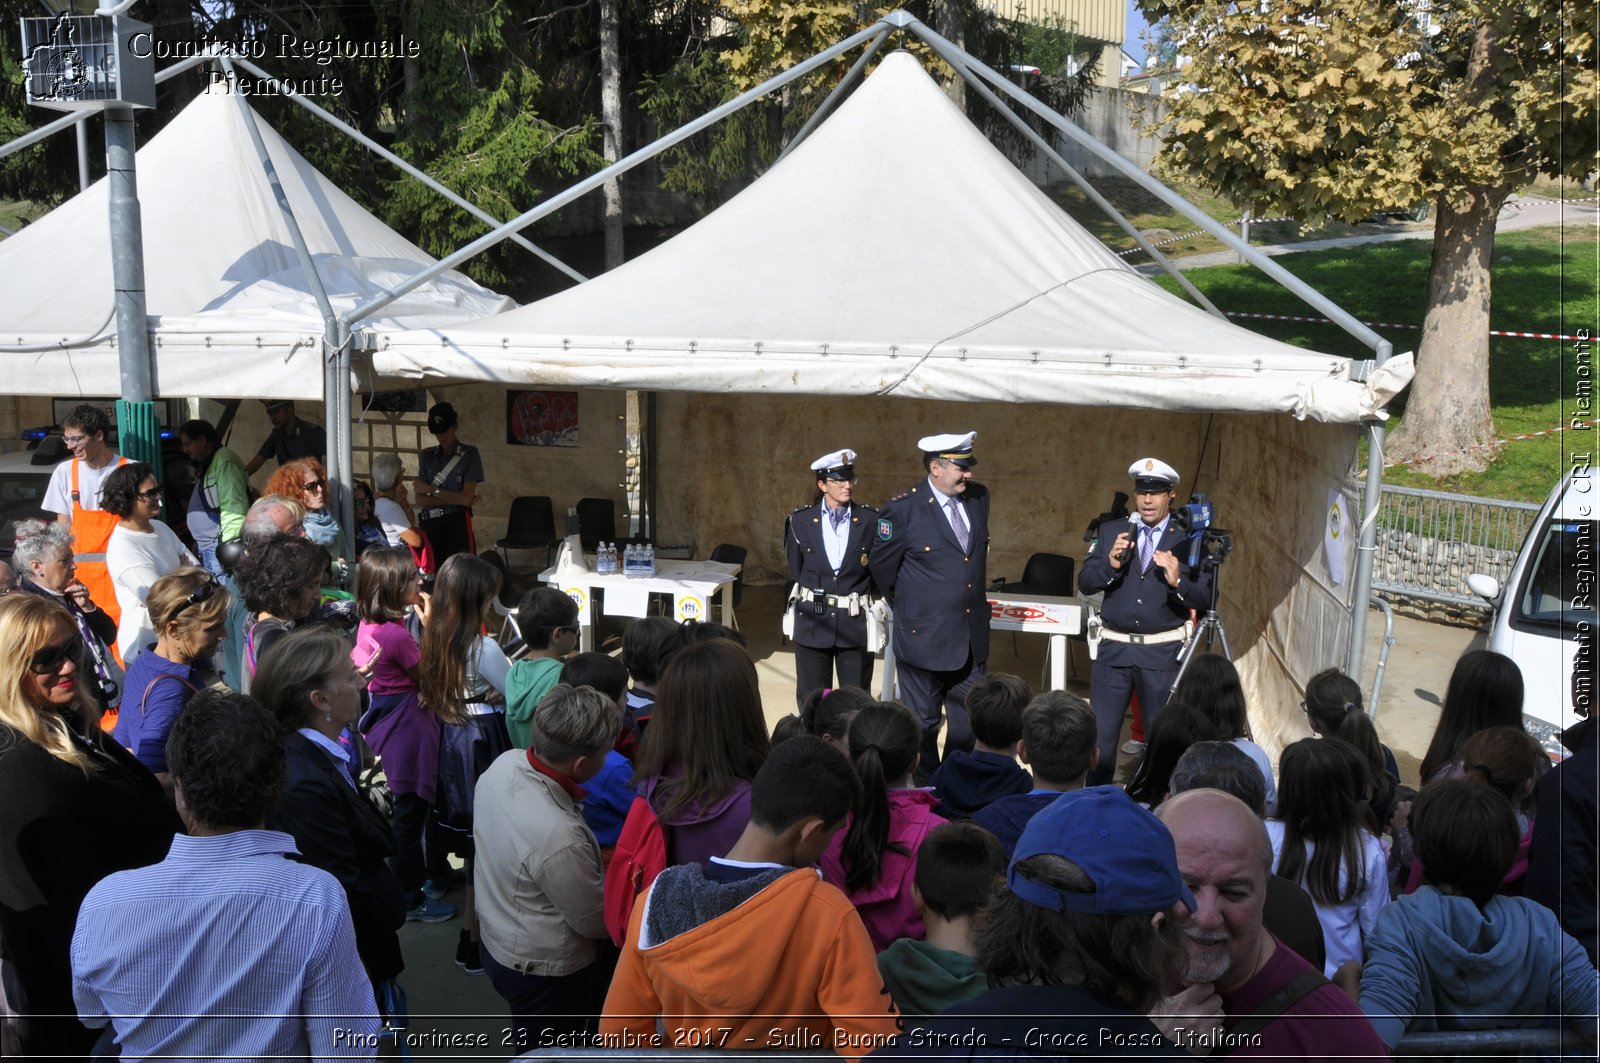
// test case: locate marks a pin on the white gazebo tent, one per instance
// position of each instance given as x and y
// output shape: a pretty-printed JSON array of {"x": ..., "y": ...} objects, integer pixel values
[
  {"x": 231, "y": 311},
  {"x": 896, "y": 253}
]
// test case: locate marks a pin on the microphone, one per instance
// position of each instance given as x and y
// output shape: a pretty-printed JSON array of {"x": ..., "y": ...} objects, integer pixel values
[{"x": 1134, "y": 524}]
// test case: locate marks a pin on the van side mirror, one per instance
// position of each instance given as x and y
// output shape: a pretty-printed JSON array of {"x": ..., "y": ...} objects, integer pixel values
[{"x": 1485, "y": 587}]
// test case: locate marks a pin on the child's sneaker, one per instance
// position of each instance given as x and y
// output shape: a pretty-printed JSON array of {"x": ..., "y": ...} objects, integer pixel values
[
  {"x": 431, "y": 911},
  {"x": 469, "y": 954}
]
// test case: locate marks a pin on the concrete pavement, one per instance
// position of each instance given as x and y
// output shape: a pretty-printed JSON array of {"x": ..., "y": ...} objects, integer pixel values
[{"x": 1518, "y": 213}]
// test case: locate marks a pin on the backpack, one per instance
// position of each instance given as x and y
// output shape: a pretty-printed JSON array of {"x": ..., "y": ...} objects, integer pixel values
[{"x": 640, "y": 855}]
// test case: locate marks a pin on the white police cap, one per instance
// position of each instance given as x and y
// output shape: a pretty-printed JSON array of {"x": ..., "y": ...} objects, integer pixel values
[
  {"x": 838, "y": 459},
  {"x": 952, "y": 446},
  {"x": 1154, "y": 471}
]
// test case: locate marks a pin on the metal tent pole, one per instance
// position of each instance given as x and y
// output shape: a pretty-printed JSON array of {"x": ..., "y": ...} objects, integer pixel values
[
  {"x": 616, "y": 169},
  {"x": 1089, "y": 190},
  {"x": 337, "y": 473},
  {"x": 390, "y": 157},
  {"x": 954, "y": 54},
  {"x": 845, "y": 84}
]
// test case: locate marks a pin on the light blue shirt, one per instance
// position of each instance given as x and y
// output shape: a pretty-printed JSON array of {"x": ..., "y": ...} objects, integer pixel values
[
  {"x": 335, "y": 750},
  {"x": 834, "y": 540},
  {"x": 227, "y": 948}
]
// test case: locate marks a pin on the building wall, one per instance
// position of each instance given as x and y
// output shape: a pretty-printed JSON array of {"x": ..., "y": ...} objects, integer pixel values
[
  {"x": 732, "y": 468},
  {"x": 1112, "y": 116}
]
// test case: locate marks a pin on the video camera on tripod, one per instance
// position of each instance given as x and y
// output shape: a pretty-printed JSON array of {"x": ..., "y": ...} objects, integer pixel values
[{"x": 1194, "y": 520}]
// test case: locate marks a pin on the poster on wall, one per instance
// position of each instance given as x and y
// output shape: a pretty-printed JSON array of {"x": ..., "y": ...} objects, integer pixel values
[{"x": 542, "y": 418}]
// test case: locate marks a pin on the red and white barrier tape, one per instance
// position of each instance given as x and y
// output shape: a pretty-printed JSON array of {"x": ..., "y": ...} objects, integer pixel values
[
  {"x": 1557, "y": 430},
  {"x": 1191, "y": 236},
  {"x": 1396, "y": 324}
]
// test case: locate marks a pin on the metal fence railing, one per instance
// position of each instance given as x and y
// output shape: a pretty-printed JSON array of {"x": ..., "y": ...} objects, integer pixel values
[{"x": 1429, "y": 542}]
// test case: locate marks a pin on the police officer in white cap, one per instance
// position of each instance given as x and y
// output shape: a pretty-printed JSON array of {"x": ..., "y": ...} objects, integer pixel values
[
  {"x": 1149, "y": 591},
  {"x": 929, "y": 556},
  {"x": 827, "y": 543}
]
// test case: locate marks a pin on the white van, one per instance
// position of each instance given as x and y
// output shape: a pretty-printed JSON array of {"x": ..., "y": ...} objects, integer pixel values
[{"x": 1548, "y": 603}]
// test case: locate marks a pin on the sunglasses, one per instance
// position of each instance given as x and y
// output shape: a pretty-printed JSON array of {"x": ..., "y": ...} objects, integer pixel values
[
  {"x": 315, "y": 485},
  {"x": 202, "y": 593},
  {"x": 152, "y": 496},
  {"x": 48, "y": 661}
]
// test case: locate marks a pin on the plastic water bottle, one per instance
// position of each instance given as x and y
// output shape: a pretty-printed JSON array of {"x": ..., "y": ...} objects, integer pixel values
[
  {"x": 611, "y": 559},
  {"x": 600, "y": 559},
  {"x": 650, "y": 559},
  {"x": 630, "y": 561}
]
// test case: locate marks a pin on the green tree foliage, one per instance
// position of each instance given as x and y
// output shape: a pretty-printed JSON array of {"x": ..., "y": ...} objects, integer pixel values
[
  {"x": 764, "y": 39},
  {"x": 1343, "y": 108}
]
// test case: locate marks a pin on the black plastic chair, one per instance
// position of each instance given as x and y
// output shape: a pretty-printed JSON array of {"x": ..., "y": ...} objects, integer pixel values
[
  {"x": 732, "y": 555},
  {"x": 1049, "y": 575},
  {"x": 597, "y": 522},
  {"x": 532, "y": 526},
  {"x": 1046, "y": 574}
]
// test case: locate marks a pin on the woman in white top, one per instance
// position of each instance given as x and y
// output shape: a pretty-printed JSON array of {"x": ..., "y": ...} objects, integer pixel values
[
  {"x": 1211, "y": 684},
  {"x": 390, "y": 505},
  {"x": 142, "y": 550},
  {"x": 1318, "y": 841}
]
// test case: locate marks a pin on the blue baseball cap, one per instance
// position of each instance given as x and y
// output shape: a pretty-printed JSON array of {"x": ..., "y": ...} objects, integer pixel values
[{"x": 1127, "y": 853}]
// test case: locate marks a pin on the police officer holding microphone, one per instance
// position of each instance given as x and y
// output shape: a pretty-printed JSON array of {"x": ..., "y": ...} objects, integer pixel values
[
  {"x": 827, "y": 544},
  {"x": 1149, "y": 591}
]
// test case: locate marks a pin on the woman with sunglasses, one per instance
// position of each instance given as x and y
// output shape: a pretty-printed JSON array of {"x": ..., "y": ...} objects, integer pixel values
[
  {"x": 369, "y": 530},
  {"x": 305, "y": 481},
  {"x": 45, "y": 567},
  {"x": 141, "y": 551},
  {"x": 191, "y": 608},
  {"x": 74, "y": 807}
]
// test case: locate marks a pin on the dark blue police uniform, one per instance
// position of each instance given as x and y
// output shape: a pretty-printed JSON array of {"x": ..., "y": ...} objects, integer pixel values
[
  {"x": 941, "y": 607},
  {"x": 1137, "y": 603},
  {"x": 826, "y": 635}
]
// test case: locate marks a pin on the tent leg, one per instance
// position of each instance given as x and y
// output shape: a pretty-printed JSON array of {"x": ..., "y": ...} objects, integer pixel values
[{"x": 1367, "y": 546}]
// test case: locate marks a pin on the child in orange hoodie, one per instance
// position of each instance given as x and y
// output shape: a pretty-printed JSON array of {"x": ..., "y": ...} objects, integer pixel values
[{"x": 753, "y": 950}]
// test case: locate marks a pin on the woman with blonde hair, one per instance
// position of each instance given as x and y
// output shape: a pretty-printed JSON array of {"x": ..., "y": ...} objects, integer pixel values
[
  {"x": 190, "y": 608},
  {"x": 305, "y": 481},
  {"x": 45, "y": 567},
  {"x": 74, "y": 807}
]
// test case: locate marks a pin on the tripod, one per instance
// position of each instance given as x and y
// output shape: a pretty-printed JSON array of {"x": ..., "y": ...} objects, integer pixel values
[{"x": 1210, "y": 628}]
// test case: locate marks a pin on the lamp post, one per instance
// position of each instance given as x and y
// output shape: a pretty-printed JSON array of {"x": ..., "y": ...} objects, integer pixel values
[{"x": 84, "y": 58}]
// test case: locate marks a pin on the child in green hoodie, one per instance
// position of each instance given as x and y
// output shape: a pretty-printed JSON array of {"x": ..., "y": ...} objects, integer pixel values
[
  {"x": 958, "y": 867},
  {"x": 549, "y": 623}
]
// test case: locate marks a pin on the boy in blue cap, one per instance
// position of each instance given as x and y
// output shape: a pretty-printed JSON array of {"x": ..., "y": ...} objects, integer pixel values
[{"x": 1082, "y": 942}]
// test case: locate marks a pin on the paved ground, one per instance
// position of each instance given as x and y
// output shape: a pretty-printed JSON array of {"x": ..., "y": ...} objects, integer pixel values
[
  {"x": 446, "y": 1002},
  {"x": 1518, "y": 213}
]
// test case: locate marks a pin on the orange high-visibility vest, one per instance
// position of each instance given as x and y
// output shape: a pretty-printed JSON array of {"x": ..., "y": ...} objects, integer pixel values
[{"x": 91, "y": 533}]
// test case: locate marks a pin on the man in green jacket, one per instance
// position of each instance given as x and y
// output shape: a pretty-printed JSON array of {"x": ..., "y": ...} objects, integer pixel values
[{"x": 221, "y": 495}]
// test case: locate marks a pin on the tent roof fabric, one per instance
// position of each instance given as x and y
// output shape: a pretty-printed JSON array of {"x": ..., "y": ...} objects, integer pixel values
[
  {"x": 894, "y": 252},
  {"x": 230, "y": 309}
]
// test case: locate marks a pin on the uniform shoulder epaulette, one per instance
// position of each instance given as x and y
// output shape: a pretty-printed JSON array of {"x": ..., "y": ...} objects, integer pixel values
[
  {"x": 903, "y": 495},
  {"x": 863, "y": 507},
  {"x": 802, "y": 509}
]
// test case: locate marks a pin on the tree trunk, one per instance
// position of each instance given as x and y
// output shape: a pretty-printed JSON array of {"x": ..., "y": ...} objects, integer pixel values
[
  {"x": 1447, "y": 427},
  {"x": 410, "y": 68},
  {"x": 611, "y": 121},
  {"x": 947, "y": 23}
]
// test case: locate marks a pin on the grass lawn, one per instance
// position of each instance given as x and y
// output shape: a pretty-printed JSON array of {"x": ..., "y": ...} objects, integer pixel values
[
  {"x": 1160, "y": 222},
  {"x": 1544, "y": 281}
]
